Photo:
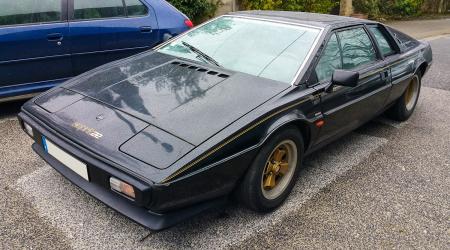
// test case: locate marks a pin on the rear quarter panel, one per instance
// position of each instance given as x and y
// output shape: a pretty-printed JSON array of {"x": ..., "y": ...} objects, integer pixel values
[
  {"x": 414, "y": 56},
  {"x": 170, "y": 20}
]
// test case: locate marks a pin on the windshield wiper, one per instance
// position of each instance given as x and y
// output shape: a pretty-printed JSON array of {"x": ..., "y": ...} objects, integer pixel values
[{"x": 201, "y": 53}]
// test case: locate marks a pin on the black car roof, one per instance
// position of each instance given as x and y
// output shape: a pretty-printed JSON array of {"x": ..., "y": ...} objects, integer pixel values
[{"x": 313, "y": 19}]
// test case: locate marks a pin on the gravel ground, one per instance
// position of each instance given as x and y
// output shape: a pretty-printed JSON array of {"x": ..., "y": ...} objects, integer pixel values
[
  {"x": 439, "y": 74},
  {"x": 423, "y": 28},
  {"x": 20, "y": 226}
]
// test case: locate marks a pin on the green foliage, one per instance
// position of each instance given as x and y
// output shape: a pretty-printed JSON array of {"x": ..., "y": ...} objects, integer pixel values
[
  {"x": 388, "y": 8},
  {"x": 369, "y": 7},
  {"x": 320, "y": 6},
  {"x": 408, "y": 7},
  {"x": 197, "y": 10}
]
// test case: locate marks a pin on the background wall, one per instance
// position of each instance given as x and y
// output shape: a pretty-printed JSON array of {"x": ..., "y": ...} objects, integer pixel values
[{"x": 226, "y": 6}]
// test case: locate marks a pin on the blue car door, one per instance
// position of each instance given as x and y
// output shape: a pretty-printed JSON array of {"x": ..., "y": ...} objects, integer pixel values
[
  {"x": 35, "y": 49},
  {"x": 86, "y": 21},
  {"x": 105, "y": 30},
  {"x": 136, "y": 33}
]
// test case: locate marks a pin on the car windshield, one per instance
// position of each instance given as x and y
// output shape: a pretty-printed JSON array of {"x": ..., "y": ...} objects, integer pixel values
[{"x": 256, "y": 47}]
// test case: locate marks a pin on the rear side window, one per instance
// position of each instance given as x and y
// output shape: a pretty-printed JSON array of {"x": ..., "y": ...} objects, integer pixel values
[
  {"x": 13, "y": 12},
  {"x": 135, "y": 8},
  {"x": 405, "y": 41},
  {"x": 382, "y": 41},
  {"x": 357, "y": 48},
  {"x": 331, "y": 59},
  {"x": 89, "y": 9}
]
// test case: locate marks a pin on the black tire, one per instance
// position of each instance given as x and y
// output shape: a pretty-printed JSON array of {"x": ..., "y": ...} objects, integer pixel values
[
  {"x": 251, "y": 191},
  {"x": 403, "y": 109}
]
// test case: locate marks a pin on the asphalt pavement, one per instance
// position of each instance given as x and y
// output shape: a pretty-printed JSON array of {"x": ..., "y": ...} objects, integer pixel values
[{"x": 386, "y": 185}]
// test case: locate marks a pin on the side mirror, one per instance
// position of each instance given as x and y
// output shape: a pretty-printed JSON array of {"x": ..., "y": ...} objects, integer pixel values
[{"x": 345, "y": 78}]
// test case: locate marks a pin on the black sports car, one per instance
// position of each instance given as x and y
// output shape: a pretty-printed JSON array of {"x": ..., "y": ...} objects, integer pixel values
[{"x": 228, "y": 108}]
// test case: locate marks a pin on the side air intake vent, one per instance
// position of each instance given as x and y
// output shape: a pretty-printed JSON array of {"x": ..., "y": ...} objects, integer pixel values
[{"x": 200, "y": 69}]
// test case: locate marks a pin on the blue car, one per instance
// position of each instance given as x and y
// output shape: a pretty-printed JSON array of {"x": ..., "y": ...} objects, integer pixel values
[{"x": 45, "y": 42}]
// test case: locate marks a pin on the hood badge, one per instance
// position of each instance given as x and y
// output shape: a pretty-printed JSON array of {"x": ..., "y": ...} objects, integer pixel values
[
  {"x": 100, "y": 117},
  {"x": 87, "y": 130}
]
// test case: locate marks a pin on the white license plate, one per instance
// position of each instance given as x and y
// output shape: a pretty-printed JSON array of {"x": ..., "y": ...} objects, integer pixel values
[{"x": 69, "y": 161}]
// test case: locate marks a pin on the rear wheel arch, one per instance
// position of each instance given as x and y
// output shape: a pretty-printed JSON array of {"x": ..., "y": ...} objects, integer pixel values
[{"x": 422, "y": 69}]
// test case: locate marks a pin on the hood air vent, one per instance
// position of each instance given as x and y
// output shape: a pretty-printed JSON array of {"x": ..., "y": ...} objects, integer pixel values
[{"x": 200, "y": 69}]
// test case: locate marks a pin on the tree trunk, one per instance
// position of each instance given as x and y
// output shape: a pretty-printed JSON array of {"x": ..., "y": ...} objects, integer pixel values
[
  {"x": 440, "y": 6},
  {"x": 346, "y": 8}
]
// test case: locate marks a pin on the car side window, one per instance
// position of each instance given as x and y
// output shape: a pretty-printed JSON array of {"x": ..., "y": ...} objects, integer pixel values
[
  {"x": 136, "y": 8},
  {"x": 382, "y": 41},
  {"x": 331, "y": 59},
  {"x": 406, "y": 42},
  {"x": 29, "y": 11},
  {"x": 357, "y": 48},
  {"x": 88, "y": 9}
]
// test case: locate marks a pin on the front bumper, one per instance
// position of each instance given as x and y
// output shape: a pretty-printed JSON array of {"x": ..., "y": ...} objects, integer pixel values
[{"x": 134, "y": 210}]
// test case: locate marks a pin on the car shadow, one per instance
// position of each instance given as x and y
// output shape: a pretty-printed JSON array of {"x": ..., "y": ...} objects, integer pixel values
[{"x": 11, "y": 109}]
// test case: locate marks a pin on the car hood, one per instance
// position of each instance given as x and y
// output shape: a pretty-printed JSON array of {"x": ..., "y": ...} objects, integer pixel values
[
  {"x": 156, "y": 107},
  {"x": 190, "y": 101}
]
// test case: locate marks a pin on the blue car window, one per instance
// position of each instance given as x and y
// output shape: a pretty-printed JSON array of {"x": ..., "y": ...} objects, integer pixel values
[
  {"x": 29, "y": 11},
  {"x": 88, "y": 9},
  {"x": 135, "y": 8}
]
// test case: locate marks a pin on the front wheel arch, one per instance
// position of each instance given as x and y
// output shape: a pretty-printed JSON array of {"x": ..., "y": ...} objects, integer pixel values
[
  {"x": 246, "y": 192},
  {"x": 301, "y": 124}
]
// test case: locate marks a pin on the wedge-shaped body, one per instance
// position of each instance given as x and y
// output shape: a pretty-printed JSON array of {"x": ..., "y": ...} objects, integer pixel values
[{"x": 239, "y": 100}]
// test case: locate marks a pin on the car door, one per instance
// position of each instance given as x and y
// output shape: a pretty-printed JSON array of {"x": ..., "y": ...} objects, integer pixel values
[
  {"x": 136, "y": 33},
  {"x": 88, "y": 30},
  {"x": 345, "y": 108},
  {"x": 401, "y": 68},
  {"x": 34, "y": 45},
  {"x": 108, "y": 30}
]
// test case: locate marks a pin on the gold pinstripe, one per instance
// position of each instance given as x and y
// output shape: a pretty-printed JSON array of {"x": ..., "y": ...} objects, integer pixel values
[{"x": 181, "y": 170}]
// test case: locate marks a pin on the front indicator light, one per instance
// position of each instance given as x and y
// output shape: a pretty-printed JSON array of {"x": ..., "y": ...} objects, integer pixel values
[
  {"x": 122, "y": 187},
  {"x": 320, "y": 123},
  {"x": 28, "y": 129}
]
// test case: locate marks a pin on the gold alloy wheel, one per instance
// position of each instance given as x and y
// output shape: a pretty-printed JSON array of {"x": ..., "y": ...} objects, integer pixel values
[
  {"x": 279, "y": 169},
  {"x": 411, "y": 93}
]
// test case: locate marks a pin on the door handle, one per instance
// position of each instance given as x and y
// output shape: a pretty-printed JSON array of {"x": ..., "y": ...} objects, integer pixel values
[
  {"x": 385, "y": 75},
  {"x": 146, "y": 29},
  {"x": 55, "y": 37}
]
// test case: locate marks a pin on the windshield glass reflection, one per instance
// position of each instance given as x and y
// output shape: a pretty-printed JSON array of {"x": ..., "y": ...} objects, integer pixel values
[{"x": 260, "y": 48}]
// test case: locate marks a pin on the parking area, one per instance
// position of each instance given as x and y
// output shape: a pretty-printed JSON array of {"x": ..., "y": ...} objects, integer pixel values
[{"x": 386, "y": 185}]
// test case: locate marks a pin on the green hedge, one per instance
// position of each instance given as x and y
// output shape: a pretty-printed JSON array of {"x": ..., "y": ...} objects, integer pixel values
[
  {"x": 320, "y": 6},
  {"x": 197, "y": 10},
  {"x": 388, "y": 8},
  {"x": 374, "y": 8},
  {"x": 201, "y": 10}
]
